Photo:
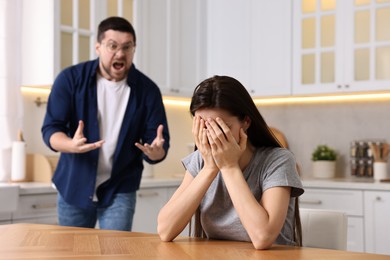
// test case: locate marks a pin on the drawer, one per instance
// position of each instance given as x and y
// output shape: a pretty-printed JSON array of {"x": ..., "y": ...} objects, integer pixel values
[
  {"x": 5, "y": 216},
  {"x": 49, "y": 220},
  {"x": 36, "y": 205},
  {"x": 349, "y": 201}
]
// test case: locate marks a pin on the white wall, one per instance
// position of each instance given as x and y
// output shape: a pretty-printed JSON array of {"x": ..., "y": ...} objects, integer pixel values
[{"x": 305, "y": 126}]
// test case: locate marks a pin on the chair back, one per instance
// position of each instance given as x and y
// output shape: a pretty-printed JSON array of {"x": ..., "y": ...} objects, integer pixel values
[{"x": 324, "y": 228}]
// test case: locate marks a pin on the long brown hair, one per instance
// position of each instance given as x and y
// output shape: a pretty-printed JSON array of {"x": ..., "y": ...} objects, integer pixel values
[{"x": 229, "y": 94}]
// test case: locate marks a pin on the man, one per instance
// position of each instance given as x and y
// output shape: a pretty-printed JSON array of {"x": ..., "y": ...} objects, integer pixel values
[{"x": 105, "y": 117}]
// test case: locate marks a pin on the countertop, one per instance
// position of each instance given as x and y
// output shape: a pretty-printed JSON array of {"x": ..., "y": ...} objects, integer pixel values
[
  {"x": 344, "y": 183},
  {"x": 36, "y": 241},
  {"x": 26, "y": 188}
]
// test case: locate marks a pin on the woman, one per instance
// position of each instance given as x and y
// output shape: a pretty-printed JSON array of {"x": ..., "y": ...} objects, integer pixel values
[{"x": 242, "y": 182}]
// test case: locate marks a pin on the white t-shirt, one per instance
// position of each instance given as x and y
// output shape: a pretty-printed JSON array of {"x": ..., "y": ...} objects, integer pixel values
[
  {"x": 112, "y": 99},
  {"x": 269, "y": 167}
]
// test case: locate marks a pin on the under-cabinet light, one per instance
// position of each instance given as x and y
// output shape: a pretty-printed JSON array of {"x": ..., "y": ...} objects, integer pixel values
[
  {"x": 323, "y": 99},
  {"x": 36, "y": 90},
  {"x": 185, "y": 102}
]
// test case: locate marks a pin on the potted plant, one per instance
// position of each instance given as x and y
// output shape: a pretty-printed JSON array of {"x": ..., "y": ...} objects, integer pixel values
[{"x": 324, "y": 162}]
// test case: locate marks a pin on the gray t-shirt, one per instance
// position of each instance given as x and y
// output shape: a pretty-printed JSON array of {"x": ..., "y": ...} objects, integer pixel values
[{"x": 269, "y": 167}]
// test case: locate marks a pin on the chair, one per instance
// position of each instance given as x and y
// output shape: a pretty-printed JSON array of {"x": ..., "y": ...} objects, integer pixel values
[{"x": 324, "y": 228}]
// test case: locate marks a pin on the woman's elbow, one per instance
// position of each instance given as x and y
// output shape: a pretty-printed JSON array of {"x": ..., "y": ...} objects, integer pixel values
[
  {"x": 261, "y": 245},
  {"x": 263, "y": 241},
  {"x": 165, "y": 238},
  {"x": 164, "y": 235}
]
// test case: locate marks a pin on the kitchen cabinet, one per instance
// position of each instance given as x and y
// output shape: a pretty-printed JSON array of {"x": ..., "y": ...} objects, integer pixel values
[
  {"x": 251, "y": 41},
  {"x": 149, "y": 202},
  {"x": 38, "y": 42},
  {"x": 5, "y": 218},
  {"x": 170, "y": 43},
  {"x": 36, "y": 208},
  {"x": 367, "y": 204},
  {"x": 377, "y": 229},
  {"x": 78, "y": 26},
  {"x": 340, "y": 46},
  {"x": 37, "y": 203},
  {"x": 349, "y": 201},
  {"x": 57, "y": 34}
]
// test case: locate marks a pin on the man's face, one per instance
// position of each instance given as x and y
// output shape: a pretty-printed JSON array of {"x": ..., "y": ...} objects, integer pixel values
[{"x": 116, "y": 53}]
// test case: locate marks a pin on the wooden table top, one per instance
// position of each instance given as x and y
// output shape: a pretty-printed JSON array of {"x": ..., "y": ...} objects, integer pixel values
[{"x": 35, "y": 241}]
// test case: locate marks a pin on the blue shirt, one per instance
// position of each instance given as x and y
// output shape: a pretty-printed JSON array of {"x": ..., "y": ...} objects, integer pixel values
[{"x": 74, "y": 97}]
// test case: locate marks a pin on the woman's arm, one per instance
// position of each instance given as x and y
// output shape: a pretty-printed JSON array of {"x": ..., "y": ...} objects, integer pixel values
[
  {"x": 177, "y": 213},
  {"x": 262, "y": 220}
]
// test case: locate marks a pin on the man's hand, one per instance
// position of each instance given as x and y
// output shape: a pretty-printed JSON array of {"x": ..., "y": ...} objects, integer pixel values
[
  {"x": 154, "y": 151},
  {"x": 78, "y": 144}
]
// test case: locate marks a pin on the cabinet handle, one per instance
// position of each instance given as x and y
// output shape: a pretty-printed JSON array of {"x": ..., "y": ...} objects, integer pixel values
[
  {"x": 378, "y": 198},
  {"x": 44, "y": 206},
  {"x": 147, "y": 194},
  {"x": 311, "y": 202}
]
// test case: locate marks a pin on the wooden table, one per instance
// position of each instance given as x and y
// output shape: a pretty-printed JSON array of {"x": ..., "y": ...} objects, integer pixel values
[{"x": 35, "y": 241}]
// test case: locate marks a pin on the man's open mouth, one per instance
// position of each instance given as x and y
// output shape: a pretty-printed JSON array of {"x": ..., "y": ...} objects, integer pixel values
[{"x": 118, "y": 65}]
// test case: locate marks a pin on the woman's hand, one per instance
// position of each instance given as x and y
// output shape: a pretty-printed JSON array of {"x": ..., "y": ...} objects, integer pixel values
[
  {"x": 199, "y": 132},
  {"x": 226, "y": 150}
]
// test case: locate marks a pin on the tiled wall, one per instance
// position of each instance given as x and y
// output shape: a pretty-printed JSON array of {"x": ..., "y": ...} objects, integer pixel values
[{"x": 304, "y": 125}]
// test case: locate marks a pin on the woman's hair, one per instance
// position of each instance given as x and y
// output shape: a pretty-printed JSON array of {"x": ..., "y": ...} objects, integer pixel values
[
  {"x": 229, "y": 94},
  {"x": 115, "y": 23}
]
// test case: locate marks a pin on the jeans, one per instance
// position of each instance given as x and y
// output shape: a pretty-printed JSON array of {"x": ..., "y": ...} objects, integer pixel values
[{"x": 117, "y": 216}]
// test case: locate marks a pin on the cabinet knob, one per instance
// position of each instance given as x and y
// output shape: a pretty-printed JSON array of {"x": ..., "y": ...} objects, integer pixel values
[
  {"x": 378, "y": 198},
  {"x": 311, "y": 202},
  {"x": 145, "y": 194},
  {"x": 175, "y": 90},
  {"x": 44, "y": 206}
]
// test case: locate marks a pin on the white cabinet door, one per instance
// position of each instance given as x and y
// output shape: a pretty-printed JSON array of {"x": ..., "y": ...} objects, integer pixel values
[
  {"x": 355, "y": 234},
  {"x": 170, "y": 43},
  {"x": 250, "y": 40},
  {"x": 38, "y": 42},
  {"x": 349, "y": 201},
  {"x": 340, "y": 46},
  {"x": 60, "y": 33},
  {"x": 149, "y": 203},
  {"x": 377, "y": 215}
]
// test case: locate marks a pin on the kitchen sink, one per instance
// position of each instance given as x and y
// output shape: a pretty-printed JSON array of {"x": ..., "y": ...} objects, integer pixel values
[{"x": 9, "y": 197}]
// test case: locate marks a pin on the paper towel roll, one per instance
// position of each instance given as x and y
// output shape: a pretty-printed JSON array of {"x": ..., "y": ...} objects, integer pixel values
[{"x": 18, "y": 170}]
